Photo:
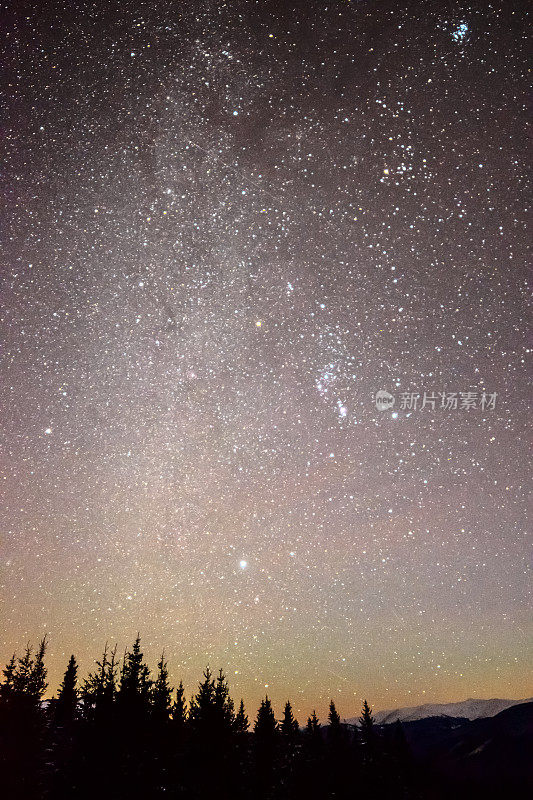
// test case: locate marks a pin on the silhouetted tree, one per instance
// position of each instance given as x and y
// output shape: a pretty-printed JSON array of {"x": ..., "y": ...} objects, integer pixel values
[
  {"x": 8, "y": 685},
  {"x": 289, "y": 725},
  {"x": 22, "y": 725},
  {"x": 22, "y": 674},
  {"x": 99, "y": 752},
  {"x": 63, "y": 766},
  {"x": 289, "y": 730},
  {"x": 162, "y": 693},
  {"x": 224, "y": 708},
  {"x": 99, "y": 690},
  {"x": 366, "y": 723},
  {"x": 341, "y": 758},
  {"x": 241, "y": 724},
  {"x": 178, "y": 742},
  {"x": 179, "y": 710},
  {"x": 202, "y": 705},
  {"x": 266, "y": 735},
  {"x": 311, "y": 768},
  {"x": 312, "y": 728},
  {"x": 208, "y": 742},
  {"x": 37, "y": 683},
  {"x": 66, "y": 705},
  {"x": 135, "y": 683},
  {"x": 334, "y": 720},
  {"x": 135, "y": 754}
]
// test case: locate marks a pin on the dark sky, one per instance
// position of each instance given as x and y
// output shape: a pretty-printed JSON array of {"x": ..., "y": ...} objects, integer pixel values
[{"x": 225, "y": 227}]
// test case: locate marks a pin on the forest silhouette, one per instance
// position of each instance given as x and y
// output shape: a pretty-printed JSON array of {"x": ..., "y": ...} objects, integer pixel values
[{"x": 125, "y": 733}]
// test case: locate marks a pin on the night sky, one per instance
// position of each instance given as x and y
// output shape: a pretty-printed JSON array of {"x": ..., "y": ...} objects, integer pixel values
[{"x": 225, "y": 228}]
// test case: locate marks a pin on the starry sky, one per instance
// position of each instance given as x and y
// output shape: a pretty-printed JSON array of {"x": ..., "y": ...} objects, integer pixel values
[{"x": 225, "y": 228}]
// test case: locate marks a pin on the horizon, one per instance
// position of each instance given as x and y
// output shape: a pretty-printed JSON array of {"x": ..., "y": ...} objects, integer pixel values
[{"x": 278, "y": 699}]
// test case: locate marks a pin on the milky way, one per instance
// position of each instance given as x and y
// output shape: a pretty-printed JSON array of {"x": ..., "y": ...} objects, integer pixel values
[{"x": 226, "y": 227}]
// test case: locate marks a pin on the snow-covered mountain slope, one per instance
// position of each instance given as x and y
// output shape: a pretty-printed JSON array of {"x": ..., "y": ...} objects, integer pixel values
[{"x": 467, "y": 709}]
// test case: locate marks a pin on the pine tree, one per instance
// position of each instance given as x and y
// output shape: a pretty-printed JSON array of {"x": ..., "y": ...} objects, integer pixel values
[
  {"x": 99, "y": 690},
  {"x": 366, "y": 723},
  {"x": 179, "y": 709},
  {"x": 334, "y": 719},
  {"x": 224, "y": 708},
  {"x": 340, "y": 759},
  {"x": 161, "y": 693},
  {"x": 241, "y": 723},
  {"x": 178, "y": 742},
  {"x": 313, "y": 726},
  {"x": 37, "y": 683},
  {"x": 289, "y": 725},
  {"x": 135, "y": 689},
  {"x": 265, "y": 727},
  {"x": 211, "y": 719},
  {"x": 135, "y": 756},
  {"x": 66, "y": 706},
  {"x": 28, "y": 677},
  {"x": 101, "y": 745},
  {"x": 8, "y": 685},
  {"x": 22, "y": 724},
  {"x": 202, "y": 705},
  {"x": 289, "y": 734},
  {"x": 109, "y": 685},
  {"x": 312, "y": 777},
  {"x": 266, "y": 747},
  {"x": 22, "y": 674},
  {"x": 63, "y": 735}
]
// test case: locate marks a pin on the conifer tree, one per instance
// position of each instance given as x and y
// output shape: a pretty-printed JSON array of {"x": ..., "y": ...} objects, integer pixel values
[
  {"x": 210, "y": 725},
  {"x": 334, "y": 719},
  {"x": 22, "y": 729},
  {"x": 178, "y": 741},
  {"x": 38, "y": 684},
  {"x": 265, "y": 727},
  {"x": 340, "y": 760},
  {"x": 241, "y": 723},
  {"x": 63, "y": 760},
  {"x": 135, "y": 675},
  {"x": 289, "y": 734},
  {"x": 265, "y": 746},
  {"x": 375, "y": 774},
  {"x": 7, "y": 687},
  {"x": 313, "y": 726},
  {"x": 135, "y": 756},
  {"x": 312, "y": 778},
  {"x": 22, "y": 673},
  {"x": 66, "y": 705},
  {"x": 109, "y": 686},
  {"x": 179, "y": 709},
  {"x": 289, "y": 725},
  {"x": 99, "y": 690},
  {"x": 162, "y": 693},
  {"x": 202, "y": 705},
  {"x": 223, "y": 704},
  {"x": 366, "y": 723}
]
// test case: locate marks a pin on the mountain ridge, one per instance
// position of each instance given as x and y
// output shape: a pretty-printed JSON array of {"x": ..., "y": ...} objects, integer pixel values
[{"x": 470, "y": 709}]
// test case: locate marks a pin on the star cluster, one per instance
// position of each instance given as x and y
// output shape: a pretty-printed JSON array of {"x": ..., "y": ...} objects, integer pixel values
[{"x": 226, "y": 226}]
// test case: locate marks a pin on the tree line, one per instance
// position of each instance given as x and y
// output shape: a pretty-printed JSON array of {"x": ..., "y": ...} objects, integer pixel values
[{"x": 125, "y": 733}]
